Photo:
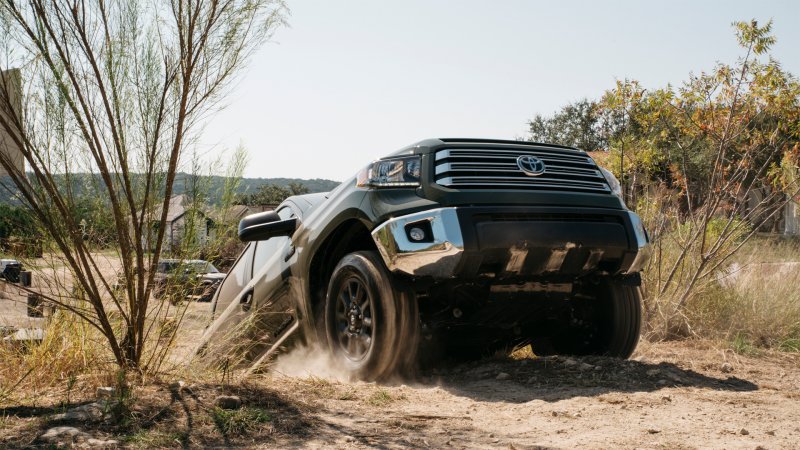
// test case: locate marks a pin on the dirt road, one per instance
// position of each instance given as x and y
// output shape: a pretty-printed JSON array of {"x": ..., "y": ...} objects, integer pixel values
[{"x": 671, "y": 395}]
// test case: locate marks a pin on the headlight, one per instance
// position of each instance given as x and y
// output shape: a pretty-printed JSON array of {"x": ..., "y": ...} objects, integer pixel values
[
  {"x": 613, "y": 183},
  {"x": 398, "y": 172}
]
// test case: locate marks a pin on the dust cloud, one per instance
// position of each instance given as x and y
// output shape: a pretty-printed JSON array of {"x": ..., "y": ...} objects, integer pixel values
[{"x": 311, "y": 361}]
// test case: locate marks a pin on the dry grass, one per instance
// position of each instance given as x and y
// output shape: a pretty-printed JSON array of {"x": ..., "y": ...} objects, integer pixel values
[
  {"x": 71, "y": 357},
  {"x": 380, "y": 398},
  {"x": 758, "y": 308},
  {"x": 752, "y": 302},
  {"x": 239, "y": 421},
  {"x": 767, "y": 248}
]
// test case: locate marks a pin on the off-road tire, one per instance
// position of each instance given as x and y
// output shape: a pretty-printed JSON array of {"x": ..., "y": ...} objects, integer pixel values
[
  {"x": 607, "y": 325},
  {"x": 371, "y": 323}
]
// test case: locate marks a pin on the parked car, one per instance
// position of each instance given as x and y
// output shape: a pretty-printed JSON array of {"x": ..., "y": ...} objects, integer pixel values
[
  {"x": 193, "y": 279},
  {"x": 474, "y": 245},
  {"x": 10, "y": 269}
]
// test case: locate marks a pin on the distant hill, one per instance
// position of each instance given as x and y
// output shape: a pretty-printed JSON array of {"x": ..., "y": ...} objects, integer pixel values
[
  {"x": 183, "y": 183},
  {"x": 246, "y": 185}
]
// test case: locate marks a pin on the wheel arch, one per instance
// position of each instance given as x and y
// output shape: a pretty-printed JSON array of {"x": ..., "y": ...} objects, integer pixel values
[{"x": 351, "y": 235}]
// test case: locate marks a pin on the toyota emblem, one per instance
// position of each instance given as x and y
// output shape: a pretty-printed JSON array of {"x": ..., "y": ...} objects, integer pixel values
[{"x": 531, "y": 165}]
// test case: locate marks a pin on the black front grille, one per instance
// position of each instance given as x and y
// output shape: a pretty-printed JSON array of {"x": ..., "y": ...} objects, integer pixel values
[
  {"x": 545, "y": 217},
  {"x": 496, "y": 168}
]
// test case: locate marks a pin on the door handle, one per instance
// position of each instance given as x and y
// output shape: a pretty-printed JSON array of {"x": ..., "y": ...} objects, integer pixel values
[{"x": 246, "y": 300}]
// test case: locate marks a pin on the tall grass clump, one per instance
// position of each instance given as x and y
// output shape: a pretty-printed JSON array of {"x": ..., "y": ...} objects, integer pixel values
[
  {"x": 70, "y": 357},
  {"x": 753, "y": 303}
]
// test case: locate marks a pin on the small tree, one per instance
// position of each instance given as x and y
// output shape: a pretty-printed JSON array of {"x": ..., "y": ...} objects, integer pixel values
[
  {"x": 117, "y": 89},
  {"x": 729, "y": 139}
]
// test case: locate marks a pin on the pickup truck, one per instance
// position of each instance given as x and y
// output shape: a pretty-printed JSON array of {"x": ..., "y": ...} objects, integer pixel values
[{"x": 447, "y": 247}]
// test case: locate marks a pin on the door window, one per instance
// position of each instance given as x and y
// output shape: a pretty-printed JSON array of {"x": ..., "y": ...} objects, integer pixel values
[
  {"x": 265, "y": 249},
  {"x": 237, "y": 279}
]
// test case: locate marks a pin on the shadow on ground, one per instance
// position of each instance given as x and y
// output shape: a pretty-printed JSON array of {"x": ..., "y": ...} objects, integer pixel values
[
  {"x": 161, "y": 417},
  {"x": 558, "y": 378}
]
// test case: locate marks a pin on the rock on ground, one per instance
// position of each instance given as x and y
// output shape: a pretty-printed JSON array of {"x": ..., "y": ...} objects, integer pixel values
[
  {"x": 228, "y": 402},
  {"x": 61, "y": 434}
]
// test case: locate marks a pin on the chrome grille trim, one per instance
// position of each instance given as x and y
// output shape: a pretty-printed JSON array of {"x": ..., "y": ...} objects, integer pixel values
[{"x": 491, "y": 168}]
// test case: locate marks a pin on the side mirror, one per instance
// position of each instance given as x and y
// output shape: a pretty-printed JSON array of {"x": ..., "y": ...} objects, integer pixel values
[{"x": 262, "y": 226}]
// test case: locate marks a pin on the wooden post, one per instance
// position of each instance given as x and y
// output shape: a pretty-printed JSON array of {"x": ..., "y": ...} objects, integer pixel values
[{"x": 10, "y": 106}]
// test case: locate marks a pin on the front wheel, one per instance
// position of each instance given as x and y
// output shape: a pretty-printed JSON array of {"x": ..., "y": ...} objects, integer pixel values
[
  {"x": 607, "y": 324},
  {"x": 371, "y": 325}
]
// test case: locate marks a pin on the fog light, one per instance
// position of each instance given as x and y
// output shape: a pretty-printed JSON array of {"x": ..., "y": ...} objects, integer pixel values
[
  {"x": 419, "y": 232},
  {"x": 416, "y": 234}
]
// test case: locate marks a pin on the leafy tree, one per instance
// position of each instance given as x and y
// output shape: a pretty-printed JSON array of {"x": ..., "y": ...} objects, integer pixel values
[
  {"x": 740, "y": 117},
  {"x": 576, "y": 124},
  {"x": 729, "y": 141},
  {"x": 15, "y": 221},
  {"x": 631, "y": 116}
]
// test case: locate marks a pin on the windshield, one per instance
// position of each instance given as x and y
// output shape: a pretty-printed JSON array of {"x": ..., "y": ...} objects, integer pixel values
[
  {"x": 168, "y": 266},
  {"x": 201, "y": 267}
]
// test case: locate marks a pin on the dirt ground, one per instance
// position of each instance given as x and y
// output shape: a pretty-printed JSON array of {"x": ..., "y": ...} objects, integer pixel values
[
  {"x": 14, "y": 309},
  {"x": 670, "y": 395}
]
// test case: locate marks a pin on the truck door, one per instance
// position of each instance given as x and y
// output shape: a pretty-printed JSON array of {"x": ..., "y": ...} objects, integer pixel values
[{"x": 251, "y": 316}]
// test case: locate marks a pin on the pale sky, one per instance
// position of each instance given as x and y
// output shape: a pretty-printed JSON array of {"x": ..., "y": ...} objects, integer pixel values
[{"x": 350, "y": 81}]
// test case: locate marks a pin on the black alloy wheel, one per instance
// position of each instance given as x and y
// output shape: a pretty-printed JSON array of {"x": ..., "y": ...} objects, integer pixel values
[
  {"x": 354, "y": 322},
  {"x": 371, "y": 325}
]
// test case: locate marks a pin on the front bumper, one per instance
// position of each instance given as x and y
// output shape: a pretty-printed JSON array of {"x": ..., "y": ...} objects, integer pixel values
[
  {"x": 513, "y": 242},
  {"x": 437, "y": 256}
]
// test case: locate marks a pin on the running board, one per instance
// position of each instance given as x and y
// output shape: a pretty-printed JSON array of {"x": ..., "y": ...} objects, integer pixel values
[{"x": 272, "y": 349}]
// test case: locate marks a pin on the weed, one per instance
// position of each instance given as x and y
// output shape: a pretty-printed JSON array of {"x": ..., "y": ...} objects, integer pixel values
[
  {"x": 319, "y": 387},
  {"x": 790, "y": 345},
  {"x": 349, "y": 394},
  {"x": 239, "y": 421},
  {"x": 70, "y": 385},
  {"x": 70, "y": 355},
  {"x": 742, "y": 345},
  {"x": 153, "y": 439},
  {"x": 380, "y": 398},
  {"x": 753, "y": 302},
  {"x": 120, "y": 408}
]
